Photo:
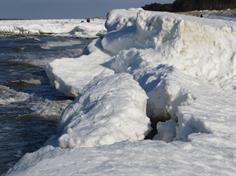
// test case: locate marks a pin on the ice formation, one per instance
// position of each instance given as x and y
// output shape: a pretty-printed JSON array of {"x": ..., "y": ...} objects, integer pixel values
[{"x": 185, "y": 66}]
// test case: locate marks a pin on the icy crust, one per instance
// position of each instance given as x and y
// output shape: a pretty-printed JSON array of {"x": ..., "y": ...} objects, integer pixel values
[
  {"x": 76, "y": 27},
  {"x": 109, "y": 110},
  {"x": 205, "y": 155}
]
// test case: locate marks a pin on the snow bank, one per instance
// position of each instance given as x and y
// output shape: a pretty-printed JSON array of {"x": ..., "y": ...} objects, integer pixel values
[
  {"x": 77, "y": 27},
  {"x": 110, "y": 110}
]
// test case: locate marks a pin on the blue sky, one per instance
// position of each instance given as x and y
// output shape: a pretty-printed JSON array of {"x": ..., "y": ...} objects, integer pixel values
[{"x": 64, "y": 8}]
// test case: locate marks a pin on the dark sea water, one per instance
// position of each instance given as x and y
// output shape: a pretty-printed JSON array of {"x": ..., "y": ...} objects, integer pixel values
[{"x": 26, "y": 97}]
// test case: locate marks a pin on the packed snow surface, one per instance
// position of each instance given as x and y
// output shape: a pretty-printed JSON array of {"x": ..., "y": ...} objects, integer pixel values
[
  {"x": 185, "y": 66},
  {"x": 76, "y": 27}
]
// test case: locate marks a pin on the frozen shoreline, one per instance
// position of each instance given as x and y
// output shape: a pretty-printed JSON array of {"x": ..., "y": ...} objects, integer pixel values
[
  {"x": 184, "y": 65},
  {"x": 74, "y": 27}
]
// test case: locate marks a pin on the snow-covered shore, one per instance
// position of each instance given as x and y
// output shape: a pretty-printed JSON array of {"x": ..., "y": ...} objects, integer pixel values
[
  {"x": 76, "y": 27},
  {"x": 167, "y": 67}
]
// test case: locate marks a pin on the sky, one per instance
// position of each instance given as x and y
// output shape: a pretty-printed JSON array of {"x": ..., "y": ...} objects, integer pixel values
[{"x": 37, "y": 9}]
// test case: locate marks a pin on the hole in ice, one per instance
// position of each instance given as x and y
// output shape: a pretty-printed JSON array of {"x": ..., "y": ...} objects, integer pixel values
[
  {"x": 154, "y": 122},
  {"x": 169, "y": 127},
  {"x": 169, "y": 130}
]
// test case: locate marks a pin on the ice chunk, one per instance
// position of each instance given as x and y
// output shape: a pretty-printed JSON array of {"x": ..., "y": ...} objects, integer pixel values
[
  {"x": 70, "y": 75},
  {"x": 109, "y": 110}
]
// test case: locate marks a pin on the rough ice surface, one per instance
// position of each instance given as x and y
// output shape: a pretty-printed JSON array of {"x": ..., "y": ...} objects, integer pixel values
[
  {"x": 186, "y": 67},
  {"x": 76, "y": 27},
  {"x": 110, "y": 110}
]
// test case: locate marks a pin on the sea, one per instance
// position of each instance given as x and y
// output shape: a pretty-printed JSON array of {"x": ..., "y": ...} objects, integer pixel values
[{"x": 29, "y": 104}]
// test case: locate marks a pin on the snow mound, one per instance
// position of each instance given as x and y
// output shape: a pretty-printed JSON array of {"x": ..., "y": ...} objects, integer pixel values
[
  {"x": 110, "y": 110},
  {"x": 76, "y": 27}
]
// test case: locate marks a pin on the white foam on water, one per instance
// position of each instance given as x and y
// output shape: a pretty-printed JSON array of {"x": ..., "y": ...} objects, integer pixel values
[{"x": 8, "y": 96}]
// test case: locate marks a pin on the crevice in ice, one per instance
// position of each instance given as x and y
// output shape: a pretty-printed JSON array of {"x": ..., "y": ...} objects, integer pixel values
[
  {"x": 153, "y": 123},
  {"x": 175, "y": 128}
]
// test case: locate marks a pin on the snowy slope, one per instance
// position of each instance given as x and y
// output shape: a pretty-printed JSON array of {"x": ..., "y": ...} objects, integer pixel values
[
  {"x": 185, "y": 66},
  {"x": 76, "y": 27}
]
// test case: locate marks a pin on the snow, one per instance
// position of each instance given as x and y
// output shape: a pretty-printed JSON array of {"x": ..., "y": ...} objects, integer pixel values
[
  {"x": 146, "y": 158},
  {"x": 75, "y": 27},
  {"x": 184, "y": 65},
  {"x": 110, "y": 110}
]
